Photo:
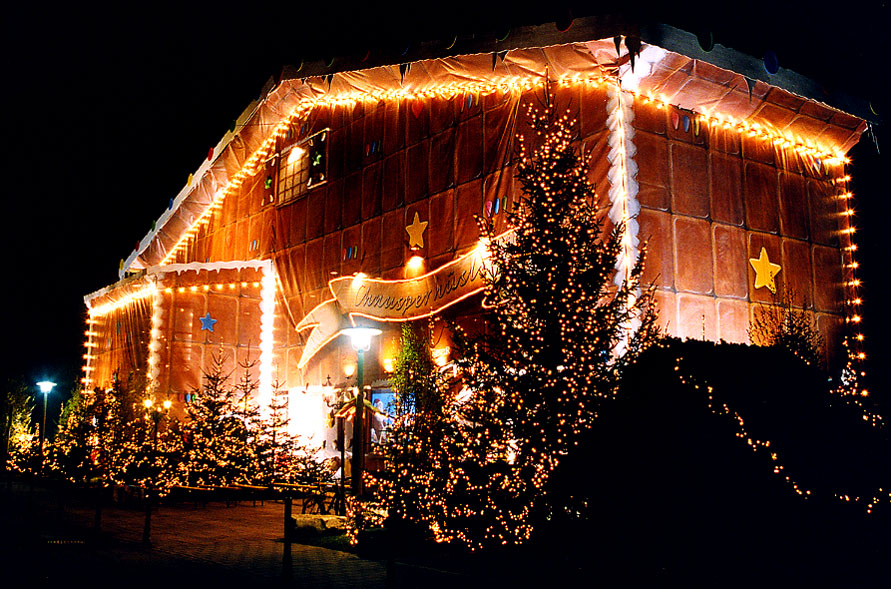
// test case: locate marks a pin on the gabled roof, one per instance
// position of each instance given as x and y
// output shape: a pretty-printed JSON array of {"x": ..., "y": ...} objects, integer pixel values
[{"x": 670, "y": 67}]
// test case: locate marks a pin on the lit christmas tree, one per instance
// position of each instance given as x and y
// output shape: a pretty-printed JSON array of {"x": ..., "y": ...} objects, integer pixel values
[
  {"x": 411, "y": 488},
  {"x": 274, "y": 446},
  {"x": 20, "y": 445},
  {"x": 91, "y": 445},
  {"x": 217, "y": 437},
  {"x": 563, "y": 326}
]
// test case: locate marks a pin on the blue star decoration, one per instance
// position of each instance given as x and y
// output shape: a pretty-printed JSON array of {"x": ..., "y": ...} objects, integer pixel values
[{"x": 207, "y": 322}]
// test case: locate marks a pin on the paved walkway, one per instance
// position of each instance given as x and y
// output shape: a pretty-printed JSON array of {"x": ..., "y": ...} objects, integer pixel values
[{"x": 48, "y": 544}]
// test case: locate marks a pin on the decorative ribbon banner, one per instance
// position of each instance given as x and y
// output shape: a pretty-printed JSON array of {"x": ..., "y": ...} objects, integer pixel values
[{"x": 393, "y": 300}]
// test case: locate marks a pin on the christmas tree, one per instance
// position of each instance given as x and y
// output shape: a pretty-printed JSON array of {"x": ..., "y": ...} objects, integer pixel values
[
  {"x": 562, "y": 327},
  {"x": 19, "y": 443},
  {"x": 91, "y": 445},
  {"x": 411, "y": 487},
  {"x": 789, "y": 325},
  {"x": 217, "y": 434}
]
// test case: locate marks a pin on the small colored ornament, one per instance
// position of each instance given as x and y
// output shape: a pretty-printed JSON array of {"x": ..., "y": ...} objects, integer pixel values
[
  {"x": 268, "y": 183},
  {"x": 210, "y": 154},
  {"x": 207, "y": 322},
  {"x": 417, "y": 107}
]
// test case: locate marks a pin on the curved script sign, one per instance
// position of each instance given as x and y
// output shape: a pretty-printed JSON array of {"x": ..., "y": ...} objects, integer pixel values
[{"x": 393, "y": 300}]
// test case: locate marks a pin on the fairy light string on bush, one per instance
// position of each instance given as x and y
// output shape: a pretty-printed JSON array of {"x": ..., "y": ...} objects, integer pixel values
[{"x": 868, "y": 501}]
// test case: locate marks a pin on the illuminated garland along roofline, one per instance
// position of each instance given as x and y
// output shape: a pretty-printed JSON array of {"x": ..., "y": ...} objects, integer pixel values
[
  {"x": 516, "y": 83},
  {"x": 713, "y": 119},
  {"x": 316, "y": 85},
  {"x": 267, "y": 296}
]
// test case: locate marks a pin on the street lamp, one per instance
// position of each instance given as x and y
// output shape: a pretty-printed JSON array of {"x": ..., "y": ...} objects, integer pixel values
[
  {"x": 46, "y": 388},
  {"x": 360, "y": 338}
]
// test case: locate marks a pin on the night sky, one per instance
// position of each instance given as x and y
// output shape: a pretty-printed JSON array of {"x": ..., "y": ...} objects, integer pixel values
[{"x": 107, "y": 111}]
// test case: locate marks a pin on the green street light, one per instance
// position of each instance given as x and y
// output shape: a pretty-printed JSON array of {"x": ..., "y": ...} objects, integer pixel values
[
  {"x": 46, "y": 388},
  {"x": 360, "y": 338}
]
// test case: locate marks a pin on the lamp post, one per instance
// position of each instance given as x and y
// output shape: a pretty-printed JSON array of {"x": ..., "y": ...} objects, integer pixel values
[
  {"x": 360, "y": 338},
  {"x": 46, "y": 388},
  {"x": 155, "y": 413}
]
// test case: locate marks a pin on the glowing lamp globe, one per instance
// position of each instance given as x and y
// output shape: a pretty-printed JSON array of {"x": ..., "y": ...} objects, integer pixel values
[
  {"x": 360, "y": 337},
  {"x": 46, "y": 386}
]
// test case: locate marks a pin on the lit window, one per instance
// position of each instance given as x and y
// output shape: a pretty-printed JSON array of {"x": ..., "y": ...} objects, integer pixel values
[{"x": 303, "y": 166}]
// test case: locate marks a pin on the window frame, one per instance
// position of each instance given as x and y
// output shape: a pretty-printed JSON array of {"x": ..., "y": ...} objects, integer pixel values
[{"x": 300, "y": 189}]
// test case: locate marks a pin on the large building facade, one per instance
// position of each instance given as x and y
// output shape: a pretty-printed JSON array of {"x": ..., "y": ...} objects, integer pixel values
[{"x": 352, "y": 197}]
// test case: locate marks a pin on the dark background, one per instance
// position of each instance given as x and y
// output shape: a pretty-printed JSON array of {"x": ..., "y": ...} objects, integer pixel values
[{"x": 106, "y": 110}]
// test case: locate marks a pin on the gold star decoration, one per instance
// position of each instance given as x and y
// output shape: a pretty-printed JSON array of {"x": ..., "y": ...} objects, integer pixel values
[
  {"x": 765, "y": 270},
  {"x": 416, "y": 232}
]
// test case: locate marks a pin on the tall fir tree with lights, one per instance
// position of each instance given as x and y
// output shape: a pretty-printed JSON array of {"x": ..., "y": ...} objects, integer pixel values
[
  {"x": 152, "y": 453},
  {"x": 218, "y": 433},
  {"x": 91, "y": 445},
  {"x": 561, "y": 330}
]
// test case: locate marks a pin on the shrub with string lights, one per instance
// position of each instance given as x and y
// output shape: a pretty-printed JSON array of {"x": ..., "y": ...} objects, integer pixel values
[
  {"x": 410, "y": 492},
  {"x": 788, "y": 326}
]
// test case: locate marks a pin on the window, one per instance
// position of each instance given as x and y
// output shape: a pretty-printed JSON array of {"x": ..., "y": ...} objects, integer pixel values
[{"x": 304, "y": 165}]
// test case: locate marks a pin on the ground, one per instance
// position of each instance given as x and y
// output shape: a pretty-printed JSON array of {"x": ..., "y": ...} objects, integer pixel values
[{"x": 49, "y": 542}]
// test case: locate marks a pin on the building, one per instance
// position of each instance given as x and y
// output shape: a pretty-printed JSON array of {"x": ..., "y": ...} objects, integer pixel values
[{"x": 349, "y": 193}]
